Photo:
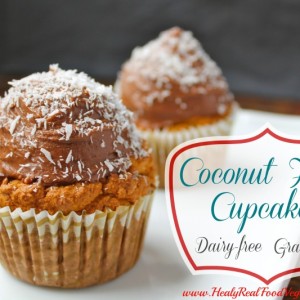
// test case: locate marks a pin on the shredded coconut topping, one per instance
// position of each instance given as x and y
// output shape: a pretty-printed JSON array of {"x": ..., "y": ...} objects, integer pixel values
[
  {"x": 175, "y": 56},
  {"x": 64, "y": 107}
]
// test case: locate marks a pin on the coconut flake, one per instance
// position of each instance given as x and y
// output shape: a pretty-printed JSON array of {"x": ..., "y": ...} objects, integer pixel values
[
  {"x": 68, "y": 129},
  {"x": 78, "y": 177},
  {"x": 13, "y": 125},
  {"x": 33, "y": 131},
  {"x": 10, "y": 154},
  {"x": 79, "y": 166},
  {"x": 69, "y": 157},
  {"x": 47, "y": 155},
  {"x": 109, "y": 165}
]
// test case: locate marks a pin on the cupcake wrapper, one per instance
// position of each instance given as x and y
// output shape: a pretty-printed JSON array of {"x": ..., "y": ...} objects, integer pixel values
[
  {"x": 75, "y": 250},
  {"x": 163, "y": 141}
]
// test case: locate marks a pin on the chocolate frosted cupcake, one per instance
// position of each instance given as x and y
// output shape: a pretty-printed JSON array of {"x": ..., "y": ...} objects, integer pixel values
[
  {"x": 176, "y": 92},
  {"x": 76, "y": 181}
]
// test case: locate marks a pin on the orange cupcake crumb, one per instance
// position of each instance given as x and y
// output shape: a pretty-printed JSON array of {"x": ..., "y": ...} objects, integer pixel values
[{"x": 109, "y": 193}]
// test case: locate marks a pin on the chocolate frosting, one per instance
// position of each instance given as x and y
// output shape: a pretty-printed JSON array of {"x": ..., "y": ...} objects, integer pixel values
[
  {"x": 61, "y": 127},
  {"x": 172, "y": 79}
]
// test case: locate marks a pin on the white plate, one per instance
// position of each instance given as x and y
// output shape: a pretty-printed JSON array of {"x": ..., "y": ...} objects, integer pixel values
[{"x": 160, "y": 272}]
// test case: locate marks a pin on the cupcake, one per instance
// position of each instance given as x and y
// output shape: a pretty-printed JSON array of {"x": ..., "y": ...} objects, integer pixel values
[
  {"x": 76, "y": 181},
  {"x": 176, "y": 92}
]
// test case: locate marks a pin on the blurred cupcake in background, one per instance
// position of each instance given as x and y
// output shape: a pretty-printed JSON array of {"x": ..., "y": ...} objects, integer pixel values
[
  {"x": 176, "y": 92},
  {"x": 76, "y": 181}
]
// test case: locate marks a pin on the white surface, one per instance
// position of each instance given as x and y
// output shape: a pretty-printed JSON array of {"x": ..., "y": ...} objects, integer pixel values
[{"x": 160, "y": 272}]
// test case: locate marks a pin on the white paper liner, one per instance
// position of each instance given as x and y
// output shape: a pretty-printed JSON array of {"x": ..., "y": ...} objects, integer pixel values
[{"x": 73, "y": 250}]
